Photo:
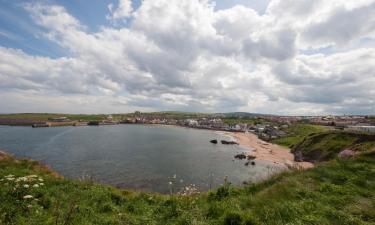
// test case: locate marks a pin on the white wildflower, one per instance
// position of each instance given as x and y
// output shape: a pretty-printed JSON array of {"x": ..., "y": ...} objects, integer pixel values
[
  {"x": 41, "y": 184},
  {"x": 36, "y": 185},
  {"x": 27, "y": 197},
  {"x": 26, "y": 186},
  {"x": 10, "y": 175},
  {"x": 170, "y": 182},
  {"x": 40, "y": 179},
  {"x": 10, "y": 178},
  {"x": 29, "y": 206}
]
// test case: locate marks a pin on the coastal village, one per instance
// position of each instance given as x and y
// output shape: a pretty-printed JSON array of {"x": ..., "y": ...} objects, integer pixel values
[
  {"x": 257, "y": 133},
  {"x": 266, "y": 127}
]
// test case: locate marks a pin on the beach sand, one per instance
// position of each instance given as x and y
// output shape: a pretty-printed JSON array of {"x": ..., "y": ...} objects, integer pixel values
[{"x": 263, "y": 150}]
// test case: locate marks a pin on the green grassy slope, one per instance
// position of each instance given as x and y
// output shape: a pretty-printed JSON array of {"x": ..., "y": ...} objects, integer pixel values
[
  {"x": 336, "y": 192},
  {"x": 297, "y": 132},
  {"x": 325, "y": 146},
  {"x": 249, "y": 121}
]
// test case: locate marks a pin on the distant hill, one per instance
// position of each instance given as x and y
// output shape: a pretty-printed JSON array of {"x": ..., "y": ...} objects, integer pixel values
[{"x": 239, "y": 115}]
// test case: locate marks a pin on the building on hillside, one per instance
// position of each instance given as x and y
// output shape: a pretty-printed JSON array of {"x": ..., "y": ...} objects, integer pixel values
[
  {"x": 368, "y": 129},
  {"x": 192, "y": 123}
]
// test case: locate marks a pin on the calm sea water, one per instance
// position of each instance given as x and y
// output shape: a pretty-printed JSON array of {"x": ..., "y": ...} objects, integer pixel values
[{"x": 134, "y": 156}]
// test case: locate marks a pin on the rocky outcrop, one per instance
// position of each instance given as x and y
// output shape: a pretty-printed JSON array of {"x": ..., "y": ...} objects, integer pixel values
[
  {"x": 240, "y": 156},
  {"x": 93, "y": 123},
  {"x": 298, "y": 156},
  {"x": 346, "y": 154},
  {"x": 250, "y": 162},
  {"x": 251, "y": 157},
  {"x": 224, "y": 142},
  {"x": 214, "y": 141},
  {"x": 3, "y": 155}
]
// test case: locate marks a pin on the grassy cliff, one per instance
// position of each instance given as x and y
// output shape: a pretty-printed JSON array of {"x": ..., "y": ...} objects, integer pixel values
[
  {"x": 335, "y": 192},
  {"x": 324, "y": 146},
  {"x": 298, "y": 132}
]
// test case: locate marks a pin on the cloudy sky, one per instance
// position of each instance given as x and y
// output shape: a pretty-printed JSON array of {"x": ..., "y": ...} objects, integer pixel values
[{"x": 287, "y": 57}]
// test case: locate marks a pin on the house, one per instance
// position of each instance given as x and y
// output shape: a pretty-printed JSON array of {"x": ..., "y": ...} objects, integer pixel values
[
  {"x": 368, "y": 129},
  {"x": 192, "y": 123}
]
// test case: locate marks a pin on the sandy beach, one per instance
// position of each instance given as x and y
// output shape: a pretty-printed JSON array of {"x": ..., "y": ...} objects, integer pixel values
[{"x": 263, "y": 150}]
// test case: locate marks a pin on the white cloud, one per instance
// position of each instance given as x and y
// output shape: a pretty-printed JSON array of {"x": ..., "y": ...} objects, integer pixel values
[
  {"x": 184, "y": 55},
  {"x": 121, "y": 12},
  {"x": 342, "y": 25}
]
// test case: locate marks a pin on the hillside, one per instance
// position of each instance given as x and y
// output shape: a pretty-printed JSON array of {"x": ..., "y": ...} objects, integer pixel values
[
  {"x": 318, "y": 147},
  {"x": 298, "y": 132},
  {"x": 335, "y": 192}
]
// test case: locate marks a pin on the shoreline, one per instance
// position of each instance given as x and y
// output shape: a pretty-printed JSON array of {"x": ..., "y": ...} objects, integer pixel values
[
  {"x": 267, "y": 151},
  {"x": 262, "y": 150}
]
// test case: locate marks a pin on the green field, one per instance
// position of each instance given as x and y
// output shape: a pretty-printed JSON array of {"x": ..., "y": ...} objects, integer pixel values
[
  {"x": 249, "y": 121},
  {"x": 297, "y": 132},
  {"x": 334, "y": 192}
]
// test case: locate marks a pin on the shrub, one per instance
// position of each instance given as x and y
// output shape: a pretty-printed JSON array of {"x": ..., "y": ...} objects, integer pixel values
[{"x": 232, "y": 218}]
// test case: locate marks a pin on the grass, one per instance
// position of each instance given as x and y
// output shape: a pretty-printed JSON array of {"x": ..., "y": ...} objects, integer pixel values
[
  {"x": 249, "y": 121},
  {"x": 298, "y": 132},
  {"x": 325, "y": 146},
  {"x": 335, "y": 192}
]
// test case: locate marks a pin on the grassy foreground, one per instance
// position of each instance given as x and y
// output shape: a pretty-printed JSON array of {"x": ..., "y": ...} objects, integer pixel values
[{"x": 335, "y": 192}]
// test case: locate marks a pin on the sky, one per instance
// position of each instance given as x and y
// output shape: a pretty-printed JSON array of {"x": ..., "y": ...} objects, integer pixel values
[{"x": 287, "y": 57}]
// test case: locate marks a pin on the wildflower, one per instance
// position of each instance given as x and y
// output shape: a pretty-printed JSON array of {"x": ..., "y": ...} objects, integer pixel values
[
  {"x": 29, "y": 206},
  {"x": 40, "y": 179},
  {"x": 10, "y": 178},
  {"x": 21, "y": 179},
  {"x": 26, "y": 186},
  {"x": 170, "y": 182},
  {"x": 10, "y": 175},
  {"x": 27, "y": 197},
  {"x": 174, "y": 176},
  {"x": 36, "y": 185},
  {"x": 41, "y": 184}
]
